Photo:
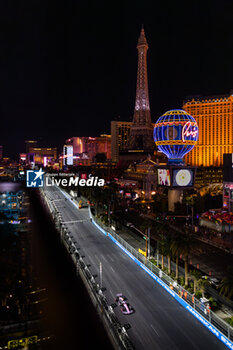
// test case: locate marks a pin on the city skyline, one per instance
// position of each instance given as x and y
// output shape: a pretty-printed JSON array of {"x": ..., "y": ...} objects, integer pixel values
[
  {"x": 116, "y": 175},
  {"x": 47, "y": 79}
]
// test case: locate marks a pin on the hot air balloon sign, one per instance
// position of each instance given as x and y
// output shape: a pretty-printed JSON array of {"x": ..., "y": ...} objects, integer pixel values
[{"x": 175, "y": 134}]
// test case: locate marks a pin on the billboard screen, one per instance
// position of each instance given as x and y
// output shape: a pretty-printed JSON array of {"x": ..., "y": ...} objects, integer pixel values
[
  {"x": 164, "y": 178},
  {"x": 183, "y": 177}
]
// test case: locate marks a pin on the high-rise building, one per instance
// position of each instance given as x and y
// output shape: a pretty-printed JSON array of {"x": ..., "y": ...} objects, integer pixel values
[
  {"x": 86, "y": 148},
  {"x": 29, "y": 144},
  {"x": 77, "y": 143},
  {"x": 42, "y": 156},
  {"x": 214, "y": 116},
  {"x": 120, "y": 134},
  {"x": 10, "y": 201},
  {"x": 68, "y": 155},
  {"x": 104, "y": 145},
  {"x": 141, "y": 132},
  {"x": 120, "y": 138}
]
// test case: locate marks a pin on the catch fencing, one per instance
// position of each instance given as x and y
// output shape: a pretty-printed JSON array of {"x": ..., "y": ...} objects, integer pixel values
[
  {"x": 195, "y": 306},
  {"x": 221, "y": 329},
  {"x": 117, "y": 331}
]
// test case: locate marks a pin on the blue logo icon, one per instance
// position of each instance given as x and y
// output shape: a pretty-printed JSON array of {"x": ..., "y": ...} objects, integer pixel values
[{"x": 35, "y": 178}]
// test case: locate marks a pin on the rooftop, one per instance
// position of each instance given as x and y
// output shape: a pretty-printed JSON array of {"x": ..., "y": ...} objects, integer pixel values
[{"x": 204, "y": 98}]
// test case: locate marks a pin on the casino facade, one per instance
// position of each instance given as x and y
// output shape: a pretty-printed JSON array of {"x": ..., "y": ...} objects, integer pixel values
[{"x": 214, "y": 117}]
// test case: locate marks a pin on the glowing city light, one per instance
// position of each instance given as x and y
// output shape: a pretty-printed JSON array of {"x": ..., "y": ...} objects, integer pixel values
[
  {"x": 175, "y": 134},
  {"x": 189, "y": 130}
]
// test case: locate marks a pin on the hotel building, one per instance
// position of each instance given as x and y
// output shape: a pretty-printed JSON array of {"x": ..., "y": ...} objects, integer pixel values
[
  {"x": 120, "y": 138},
  {"x": 120, "y": 132},
  {"x": 84, "y": 149},
  {"x": 214, "y": 116}
]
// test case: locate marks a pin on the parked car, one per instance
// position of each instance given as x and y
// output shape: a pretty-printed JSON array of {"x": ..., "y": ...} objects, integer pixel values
[{"x": 214, "y": 281}]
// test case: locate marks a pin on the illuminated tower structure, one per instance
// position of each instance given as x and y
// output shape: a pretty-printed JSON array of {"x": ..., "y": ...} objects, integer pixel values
[
  {"x": 141, "y": 131},
  {"x": 176, "y": 134}
]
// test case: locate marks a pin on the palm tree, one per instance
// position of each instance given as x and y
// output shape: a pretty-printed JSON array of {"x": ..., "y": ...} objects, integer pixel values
[
  {"x": 165, "y": 249},
  {"x": 195, "y": 275},
  {"x": 182, "y": 244},
  {"x": 169, "y": 254},
  {"x": 202, "y": 285},
  {"x": 227, "y": 284},
  {"x": 176, "y": 251},
  {"x": 162, "y": 248}
]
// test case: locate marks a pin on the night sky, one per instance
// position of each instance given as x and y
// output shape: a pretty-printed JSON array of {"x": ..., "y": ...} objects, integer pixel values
[{"x": 69, "y": 68}]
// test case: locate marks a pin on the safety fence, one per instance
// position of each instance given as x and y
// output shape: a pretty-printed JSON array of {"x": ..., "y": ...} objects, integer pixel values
[
  {"x": 140, "y": 243},
  {"x": 200, "y": 310},
  {"x": 117, "y": 331},
  {"x": 221, "y": 329}
]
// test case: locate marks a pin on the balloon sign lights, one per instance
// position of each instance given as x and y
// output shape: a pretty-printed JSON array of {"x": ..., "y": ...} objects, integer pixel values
[{"x": 175, "y": 134}]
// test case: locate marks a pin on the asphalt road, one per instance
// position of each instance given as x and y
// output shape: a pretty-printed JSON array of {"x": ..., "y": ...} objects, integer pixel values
[{"x": 159, "y": 322}]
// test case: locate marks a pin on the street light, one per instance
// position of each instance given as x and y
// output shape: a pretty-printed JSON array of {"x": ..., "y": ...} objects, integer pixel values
[
  {"x": 145, "y": 236},
  {"x": 101, "y": 274},
  {"x": 192, "y": 212},
  {"x": 157, "y": 252},
  {"x": 148, "y": 238}
]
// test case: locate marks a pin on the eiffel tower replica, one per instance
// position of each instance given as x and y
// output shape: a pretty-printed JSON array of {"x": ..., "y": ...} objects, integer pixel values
[{"x": 141, "y": 142}]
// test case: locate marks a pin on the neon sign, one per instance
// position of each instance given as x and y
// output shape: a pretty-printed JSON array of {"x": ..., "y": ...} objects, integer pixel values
[
  {"x": 230, "y": 186},
  {"x": 175, "y": 134},
  {"x": 189, "y": 131}
]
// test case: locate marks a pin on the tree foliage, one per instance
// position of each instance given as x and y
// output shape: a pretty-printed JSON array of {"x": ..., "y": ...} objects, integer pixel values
[{"x": 226, "y": 287}]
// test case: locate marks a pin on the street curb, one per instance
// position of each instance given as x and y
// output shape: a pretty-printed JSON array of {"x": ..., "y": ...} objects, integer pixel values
[{"x": 201, "y": 319}]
